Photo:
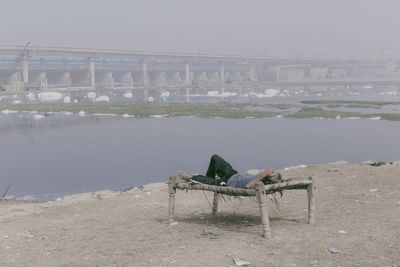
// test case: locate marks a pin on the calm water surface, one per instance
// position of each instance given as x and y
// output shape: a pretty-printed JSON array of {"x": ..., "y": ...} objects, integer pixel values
[{"x": 61, "y": 154}]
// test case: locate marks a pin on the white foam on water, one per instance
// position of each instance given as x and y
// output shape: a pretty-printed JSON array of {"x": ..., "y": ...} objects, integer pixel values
[
  {"x": 67, "y": 100},
  {"x": 49, "y": 96},
  {"x": 7, "y": 112},
  {"x": 103, "y": 98},
  {"x": 31, "y": 97},
  {"x": 126, "y": 116},
  {"x": 165, "y": 94},
  {"x": 38, "y": 116},
  {"x": 128, "y": 95}
]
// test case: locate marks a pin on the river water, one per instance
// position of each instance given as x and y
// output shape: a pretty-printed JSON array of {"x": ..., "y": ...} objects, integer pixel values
[{"x": 64, "y": 154}]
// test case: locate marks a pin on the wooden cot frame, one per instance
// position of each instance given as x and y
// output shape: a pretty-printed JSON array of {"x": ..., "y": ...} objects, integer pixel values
[{"x": 260, "y": 192}]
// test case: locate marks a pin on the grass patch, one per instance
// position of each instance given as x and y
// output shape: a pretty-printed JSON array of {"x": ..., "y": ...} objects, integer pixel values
[
  {"x": 349, "y": 103},
  {"x": 148, "y": 109},
  {"x": 321, "y": 113}
]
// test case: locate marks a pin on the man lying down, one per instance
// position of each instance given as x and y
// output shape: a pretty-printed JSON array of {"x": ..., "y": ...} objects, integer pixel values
[{"x": 229, "y": 176}]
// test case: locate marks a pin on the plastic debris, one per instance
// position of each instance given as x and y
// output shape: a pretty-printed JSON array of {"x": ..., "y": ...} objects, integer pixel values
[
  {"x": 240, "y": 262},
  {"x": 333, "y": 250}
]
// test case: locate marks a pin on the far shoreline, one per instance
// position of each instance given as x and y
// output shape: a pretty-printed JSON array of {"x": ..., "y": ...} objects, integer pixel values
[{"x": 320, "y": 109}]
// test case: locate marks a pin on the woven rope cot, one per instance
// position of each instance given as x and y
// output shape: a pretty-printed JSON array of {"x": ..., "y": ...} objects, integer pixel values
[{"x": 260, "y": 192}]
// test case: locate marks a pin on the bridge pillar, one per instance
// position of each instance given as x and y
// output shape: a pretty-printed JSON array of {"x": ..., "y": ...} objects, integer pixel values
[
  {"x": 25, "y": 69},
  {"x": 92, "y": 73},
  {"x": 41, "y": 77},
  {"x": 252, "y": 73},
  {"x": 187, "y": 81},
  {"x": 108, "y": 81},
  {"x": 14, "y": 83},
  {"x": 222, "y": 76},
  {"x": 278, "y": 73},
  {"x": 187, "y": 74},
  {"x": 145, "y": 77},
  {"x": 127, "y": 78},
  {"x": 65, "y": 79}
]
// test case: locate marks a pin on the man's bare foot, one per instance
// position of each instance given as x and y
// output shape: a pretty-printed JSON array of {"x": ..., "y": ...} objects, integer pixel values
[{"x": 184, "y": 176}]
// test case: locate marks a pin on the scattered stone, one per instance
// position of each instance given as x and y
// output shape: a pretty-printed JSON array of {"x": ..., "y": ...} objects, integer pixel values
[
  {"x": 211, "y": 234},
  {"x": 343, "y": 232},
  {"x": 313, "y": 262},
  {"x": 333, "y": 170},
  {"x": 173, "y": 223},
  {"x": 373, "y": 163},
  {"x": 333, "y": 250},
  {"x": 240, "y": 262},
  {"x": 373, "y": 190}
]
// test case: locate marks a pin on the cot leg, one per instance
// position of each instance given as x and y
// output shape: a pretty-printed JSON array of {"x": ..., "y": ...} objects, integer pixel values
[
  {"x": 215, "y": 203},
  {"x": 261, "y": 197},
  {"x": 172, "y": 191},
  {"x": 311, "y": 203}
]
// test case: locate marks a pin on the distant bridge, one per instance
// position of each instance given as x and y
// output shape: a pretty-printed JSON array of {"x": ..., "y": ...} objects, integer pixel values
[{"x": 29, "y": 67}]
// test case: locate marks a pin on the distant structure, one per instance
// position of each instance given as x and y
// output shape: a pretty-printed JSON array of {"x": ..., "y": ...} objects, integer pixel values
[{"x": 26, "y": 68}]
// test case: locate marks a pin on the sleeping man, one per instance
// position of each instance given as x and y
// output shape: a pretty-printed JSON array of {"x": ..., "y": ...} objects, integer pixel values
[{"x": 229, "y": 176}]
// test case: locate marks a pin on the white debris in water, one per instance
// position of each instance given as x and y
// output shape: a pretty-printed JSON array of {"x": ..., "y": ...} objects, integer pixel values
[
  {"x": 38, "y": 116},
  {"x": 367, "y": 87},
  {"x": 103, "y": 98},
  {"x": 49, "y": 96},
  {"x": 91, "y": 95},
  {"x": 269, "y": 93},
  {"x": 76, "y": 101},
  {"x": 67, "y": 99},
  {"x": 31, "y": 97},
  {"x": 389, "y": 93},
  {"x": 17, "y": 102},
  {"x": 354, "y": 118},
  {"x": 67, "y": 113},
  {"x": 128, "y": 95},
  {"x": 150, "y": 99},
  {"x": 82, "y": 113},
  {"x": 6, "y": 111},
  {"x": 126, "y": 116},
  {"x": 165, "y": 94},
  {"x": 104, "y": 114},
  {"x": 375, "y": 118},
  {"x": 158, "y": 116},
  {"x": 217, "y": 94},
  {"x": 278, "y": 116},
  {"x": 338, "y": 117}
]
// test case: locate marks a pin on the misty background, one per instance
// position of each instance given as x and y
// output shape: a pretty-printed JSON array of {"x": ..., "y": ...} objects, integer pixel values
[{"x": 309, "y": 28}]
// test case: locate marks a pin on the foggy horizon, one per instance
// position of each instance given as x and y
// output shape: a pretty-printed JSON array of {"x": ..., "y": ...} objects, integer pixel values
[{"x": 310, "y": 29}]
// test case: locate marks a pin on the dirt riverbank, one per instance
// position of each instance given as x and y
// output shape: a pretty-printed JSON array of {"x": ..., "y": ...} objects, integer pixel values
[{"x": 357, "y": 224}]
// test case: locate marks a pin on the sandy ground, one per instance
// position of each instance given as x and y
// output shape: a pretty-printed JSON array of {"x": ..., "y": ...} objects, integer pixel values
[{"x": 357, "y": 224}]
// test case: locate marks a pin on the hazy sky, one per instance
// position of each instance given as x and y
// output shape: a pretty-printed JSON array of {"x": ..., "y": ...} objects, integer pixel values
[{"x": 304, "y": 28}]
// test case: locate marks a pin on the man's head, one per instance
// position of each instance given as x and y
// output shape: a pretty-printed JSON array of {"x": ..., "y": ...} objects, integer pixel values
[{"x": 272, "y": 178}]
